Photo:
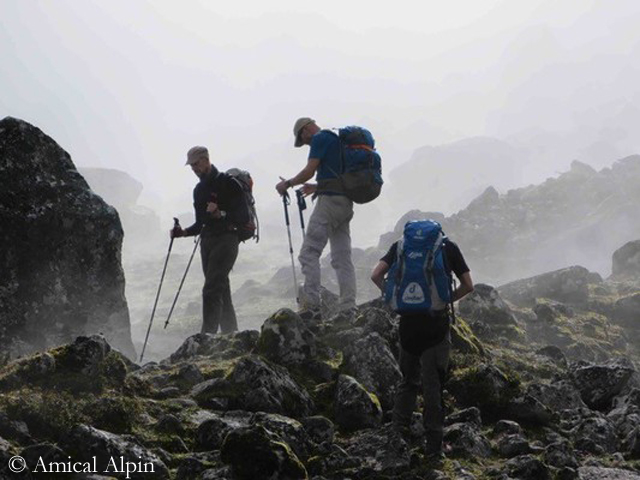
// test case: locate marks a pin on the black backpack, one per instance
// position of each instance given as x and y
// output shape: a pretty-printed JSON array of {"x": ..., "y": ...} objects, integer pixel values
[{"x": 250, "y": 228}]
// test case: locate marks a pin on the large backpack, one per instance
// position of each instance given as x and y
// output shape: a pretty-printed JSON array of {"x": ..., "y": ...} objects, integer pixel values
[
  {"x": 250, "y": 229},
  {"x": 360, "y": 176},
  {"x": 418, "y": 281}
]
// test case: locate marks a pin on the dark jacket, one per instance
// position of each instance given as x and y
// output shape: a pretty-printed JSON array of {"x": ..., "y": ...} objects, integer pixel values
[{"x": 220, "y": 188}]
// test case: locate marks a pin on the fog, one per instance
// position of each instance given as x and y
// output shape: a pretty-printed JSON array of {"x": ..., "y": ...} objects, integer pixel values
[
  {"x": 132, "y": 85},
  {"x": 474, "y": 93}
]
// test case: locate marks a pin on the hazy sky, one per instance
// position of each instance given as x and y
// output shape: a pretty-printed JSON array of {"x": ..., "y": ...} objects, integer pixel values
[{"x": 133, "y": 84}]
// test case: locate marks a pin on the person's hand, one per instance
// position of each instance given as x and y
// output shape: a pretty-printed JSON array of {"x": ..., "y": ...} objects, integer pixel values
[
  {"x": 282, "y": 186},
  {"x": 177, "y": 232},
  {"x": 309, "y": 189},
  {"x": 213, "y": 210}
]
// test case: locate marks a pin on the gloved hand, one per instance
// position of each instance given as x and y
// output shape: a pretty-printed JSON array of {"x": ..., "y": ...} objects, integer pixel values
[{"x": 177, "y": 232}]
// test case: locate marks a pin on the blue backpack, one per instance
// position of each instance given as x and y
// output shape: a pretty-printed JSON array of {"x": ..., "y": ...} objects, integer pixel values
[
  {"x": 360, "y": 176},
  {"x": 418, "y": 281}
]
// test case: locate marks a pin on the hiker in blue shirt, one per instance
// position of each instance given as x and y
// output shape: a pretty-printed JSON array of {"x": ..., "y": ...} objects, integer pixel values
[
  {"x": 329, "y": 221},
  {"x": 425, "y": 337}
]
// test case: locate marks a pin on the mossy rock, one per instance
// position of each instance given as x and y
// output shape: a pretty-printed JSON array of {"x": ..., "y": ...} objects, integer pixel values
[{"x": 464, "y": 340}]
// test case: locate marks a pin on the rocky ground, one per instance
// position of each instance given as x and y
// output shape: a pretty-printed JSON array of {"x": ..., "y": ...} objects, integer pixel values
[{"x": 543, "y": 384}]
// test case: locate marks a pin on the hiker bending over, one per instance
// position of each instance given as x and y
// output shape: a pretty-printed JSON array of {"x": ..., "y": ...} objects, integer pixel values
[
  {"x": 219, "y": 209},
  {"x": 419, "y": 288},
  {"x": 329, "y": 221}
]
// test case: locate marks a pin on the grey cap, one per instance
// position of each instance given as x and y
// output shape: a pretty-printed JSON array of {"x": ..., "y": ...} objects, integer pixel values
[
  {"x": 196, "y": 153},
  {"x": 298, "y": 126}
]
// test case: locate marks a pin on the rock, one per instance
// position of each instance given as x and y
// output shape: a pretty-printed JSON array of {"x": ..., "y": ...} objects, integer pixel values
[
  {"x": 528, "y": 409},
  {"x": 379, "y": 451},
  {"x": 332, "y": 462},
  {"x": 510, "y": 446},
  {"x": 527, "y": 467},
  {"x": 560, "y": 455},
  {"x": 255, "y": 385},
  {"x": 631, "y": 443},
  {"x": 484, "y": 386},
  {"x": 290, "y": 430},
  {"x": 85, "y": 442},
  {"x": 485, "y": 305},
  {"x": 626, "y": 312},
  {"x": 371, "y": 362},
  {"x": 507, "y": 427},
  {"x": 211, "y": 432},
  {"x": 567, "y": 285},
  {"x": 466, "y": 441},
  {"x": 626, "y": 261},
  {"x": 319, "y": 428},
  {"x": 463, "y": 339},
  {"x": 598, "y": 384},
  {"x": 217, "y": 346},
  {"x": 169, "y": 424},
  {"x": 45, "y": 451},
  {"x": 15, "y": 430},
  {"x": 468, "y": 415},
  {"x": 52, "y": 295},
  {"x": 285, "y": 339},
  {"x": 601, "y": 473},
  {"x": 554, "y": 353},
  {"x": 190, "y": 468},
  {"x": 380, "y": 321},
  {"x": 595, "y": 435},
  {"x": 556, "y": 396},
  {"x": 354, "y": 407},
  {"x": 270, "y": 456}
]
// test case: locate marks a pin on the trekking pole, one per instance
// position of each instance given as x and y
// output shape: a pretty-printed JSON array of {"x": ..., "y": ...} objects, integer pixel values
[
  {"x": 176, "y": 224},
  {"x": 302, "y": 205},
  {"x": 286, "y": 201},
  {"x": 175, "y": 300}
]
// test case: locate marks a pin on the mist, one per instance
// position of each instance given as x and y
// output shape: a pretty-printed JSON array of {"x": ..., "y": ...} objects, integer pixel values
[{"x": 131, "y": 86}]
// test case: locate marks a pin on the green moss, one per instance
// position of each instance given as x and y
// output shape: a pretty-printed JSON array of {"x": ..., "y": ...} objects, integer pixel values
[
  {"x": 48, "y": 414},
  {"x": 464, "y": 340}
]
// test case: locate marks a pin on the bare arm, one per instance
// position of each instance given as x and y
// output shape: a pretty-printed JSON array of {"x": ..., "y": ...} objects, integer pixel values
[
  {"x": 465, "y": 287},
  {"x": 377, "y": 276},
  {"x": 305, "y": 174}
]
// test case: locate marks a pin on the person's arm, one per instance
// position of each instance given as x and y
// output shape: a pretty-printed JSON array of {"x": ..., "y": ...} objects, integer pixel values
[
  {"x": 305, "y": 174},
  {"x": 377, "y": 276},
  {"x": 465, "y": 287}
]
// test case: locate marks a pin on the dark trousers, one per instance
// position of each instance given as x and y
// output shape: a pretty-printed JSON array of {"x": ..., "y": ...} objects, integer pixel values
[
  {"x": 430, "y": 369},
  {"x": 219, "y": 253}
]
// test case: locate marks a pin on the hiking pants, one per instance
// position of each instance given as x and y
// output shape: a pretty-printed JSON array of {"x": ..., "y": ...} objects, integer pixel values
[
  {"x": 431, "y": 367},
  {"x": 219, "y": 253},
  {"x": 329, "y": 222}
]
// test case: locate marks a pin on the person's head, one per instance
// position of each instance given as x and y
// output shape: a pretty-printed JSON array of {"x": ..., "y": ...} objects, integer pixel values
[
  {"x": 198, "y": 159},
  {"x": 303, "y": 130}
]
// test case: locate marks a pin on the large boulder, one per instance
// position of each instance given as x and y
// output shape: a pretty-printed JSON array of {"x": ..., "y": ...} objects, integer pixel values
[
  {"x": 255, "y": 385},
  {"x": 602, "y": 473},
  {"x": 626, "y": 261},
  {"x": 354, "y": 408},
  {"x": 599, "y": 384},
  {"x": 85, "y": 443},
  {"x": 371, "y": 362},
  {"x": 285, "y": 339},
  {"x": 568, "y": 285},
  {"x": 255, "y": 453},
  {"x": 221, "y": 346},
  {"x": 626, "y": 311},
  {"x": 485, "y": 305},
  {"x": 61, "y": 243}
]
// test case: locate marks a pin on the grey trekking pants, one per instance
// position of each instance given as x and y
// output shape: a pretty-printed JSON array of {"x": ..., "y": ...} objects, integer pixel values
[
  {"x": 431, "y": 367},
  {"x": 329, "y": 222},
  {"x": 218, "y": 253}
]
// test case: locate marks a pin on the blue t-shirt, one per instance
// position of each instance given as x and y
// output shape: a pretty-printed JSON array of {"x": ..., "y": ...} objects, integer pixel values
[{"x": 325, "y": 146}]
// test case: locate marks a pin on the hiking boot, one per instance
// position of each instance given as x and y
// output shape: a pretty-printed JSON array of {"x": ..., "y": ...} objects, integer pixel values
[{"x": 310, "y": 313}]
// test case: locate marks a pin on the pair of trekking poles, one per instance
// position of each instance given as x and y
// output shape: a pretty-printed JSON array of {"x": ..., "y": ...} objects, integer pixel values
[
  {"x": 302, "y": 205},
  {"x": 176, "y": 226}
]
